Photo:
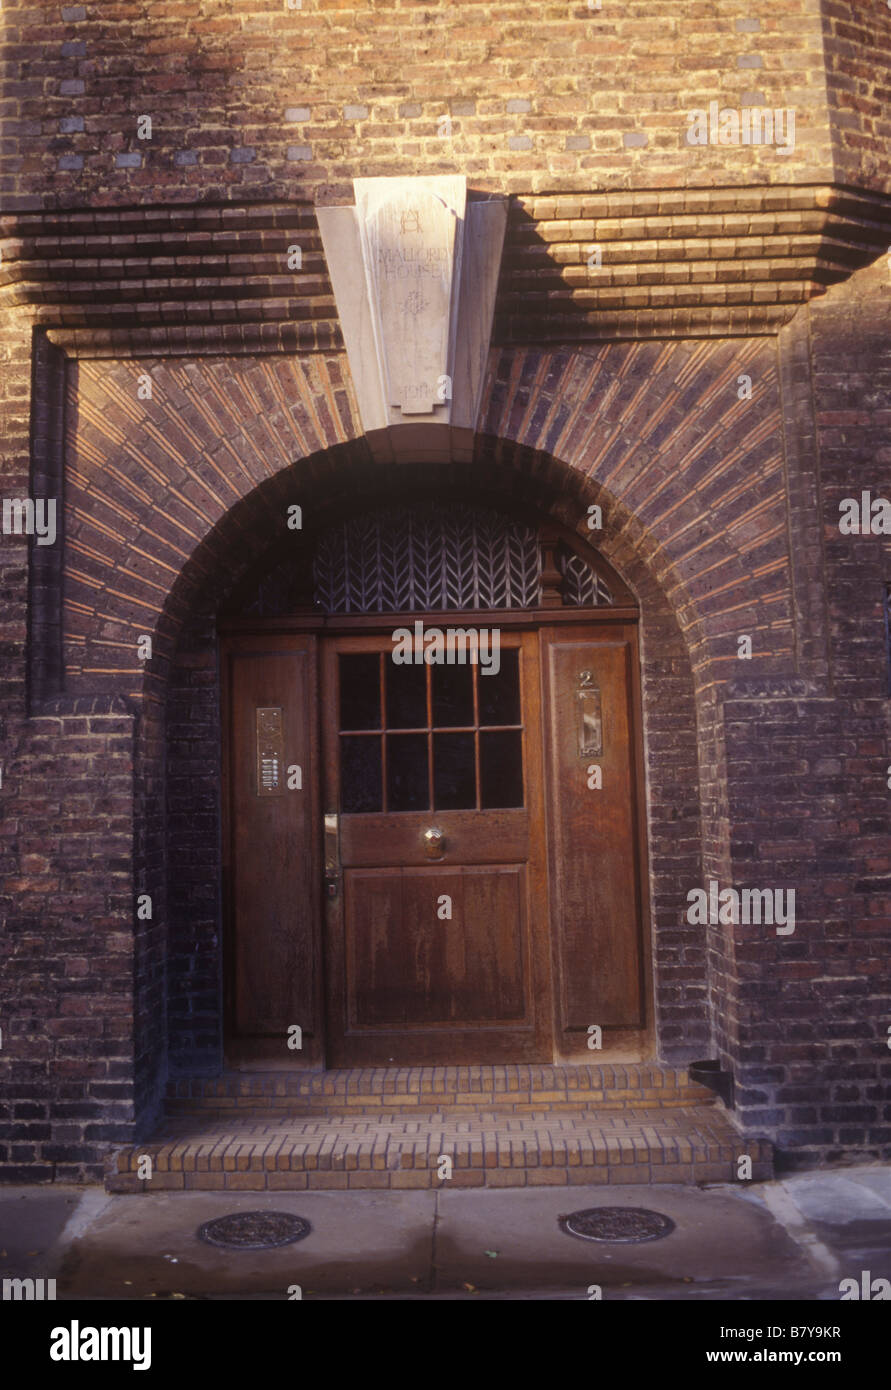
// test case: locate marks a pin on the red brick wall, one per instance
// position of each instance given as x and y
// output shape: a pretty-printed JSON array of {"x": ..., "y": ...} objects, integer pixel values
[
  {"x": 808, "y": 777},
  {"x": 193, "y": 811},
  {"x": 251, "y": 100},
  {"x": 25, "y": 1084},
  {"x": 852, "y": 388},
  {"x": 721, "y": 514},
  {"x": 857, "y": 45}
]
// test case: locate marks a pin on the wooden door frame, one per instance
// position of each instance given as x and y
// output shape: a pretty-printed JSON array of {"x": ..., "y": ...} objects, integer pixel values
[{"x": 260, "y": 634}]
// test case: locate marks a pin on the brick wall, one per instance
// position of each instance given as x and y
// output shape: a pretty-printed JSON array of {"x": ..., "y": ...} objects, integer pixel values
[
  {"x": 852, "y": 388},
  {"x": 24, "y": 1070},
  {"x": 252, "y": 100},
  {"x": 857, "y": 45},
  {"x": 68, "y": 943},
  {"x": 695, "y": 488},
  {"x": 194, "y": 743},
  {"x": 721, "y": 513},
  {"x": 807, "y": 775}
]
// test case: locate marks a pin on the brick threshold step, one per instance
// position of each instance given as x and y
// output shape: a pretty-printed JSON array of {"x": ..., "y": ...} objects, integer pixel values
[
  {"x": 371, "y": 1090},
  {"x": 395, "y": 1151}
]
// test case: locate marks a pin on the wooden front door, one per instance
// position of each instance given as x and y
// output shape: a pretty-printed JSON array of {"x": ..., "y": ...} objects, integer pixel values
[
  {"x": 436, "y": 921},
  {"x": 483, "y": 838}
]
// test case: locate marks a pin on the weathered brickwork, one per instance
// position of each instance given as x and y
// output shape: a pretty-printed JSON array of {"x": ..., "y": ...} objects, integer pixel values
[
  {"x": 253, "y": 100},
  {"x": 68, "y": 942},
  {"x": 813, "y": 1025},
  {"x": 857, "y": 45},
  {"x": 128, "y": 261}
]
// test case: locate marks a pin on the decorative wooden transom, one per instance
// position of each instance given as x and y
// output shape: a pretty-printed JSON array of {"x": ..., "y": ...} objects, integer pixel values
[{"x": 426, "y": 558}]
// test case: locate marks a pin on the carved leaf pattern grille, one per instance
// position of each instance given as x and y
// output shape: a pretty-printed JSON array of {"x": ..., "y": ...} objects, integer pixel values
[
  {"x": 582, "y": 586},
  {"x": 405, "y": 560}
]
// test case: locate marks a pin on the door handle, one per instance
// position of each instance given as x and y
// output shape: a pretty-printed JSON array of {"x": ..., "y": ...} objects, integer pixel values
[
  {"x": 332, "y": 854},
  {"x": 434, "y": 842}
]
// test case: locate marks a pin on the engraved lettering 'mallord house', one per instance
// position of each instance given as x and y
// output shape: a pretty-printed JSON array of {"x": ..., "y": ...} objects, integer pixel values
[{"x": 399, "y": 353}]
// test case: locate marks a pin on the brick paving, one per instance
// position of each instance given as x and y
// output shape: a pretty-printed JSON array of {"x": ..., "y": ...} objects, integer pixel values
[
  {"x": 394, "y": 1150},
  {"x": 516, "y": 1088}
]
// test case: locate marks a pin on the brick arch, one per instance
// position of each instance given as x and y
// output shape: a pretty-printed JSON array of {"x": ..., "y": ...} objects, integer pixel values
[
  {"x": 345, "y": 481},
  {"x": 694, "y": 474},
  {"x": 170, "y": 499},
  {"x": 161, "y": 493},
  {"x": 526, "y": 478}
]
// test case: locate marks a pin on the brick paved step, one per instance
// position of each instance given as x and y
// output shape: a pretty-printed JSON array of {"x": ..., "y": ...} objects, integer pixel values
[
  {"x": 394, "y": 1150},
  {"x": 370, "y": 1090}
]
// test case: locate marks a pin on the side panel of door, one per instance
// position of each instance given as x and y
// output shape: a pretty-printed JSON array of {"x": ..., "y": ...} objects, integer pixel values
[
  {"x": 271, "y": 849},
  {"x": 594, "y": 858}
]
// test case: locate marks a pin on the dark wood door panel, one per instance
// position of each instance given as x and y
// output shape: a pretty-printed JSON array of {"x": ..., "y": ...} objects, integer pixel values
[
  {"x": 271, "y": 859},
  {"x": 594, "y": 865},
  {"x": 416, "y": 961}
]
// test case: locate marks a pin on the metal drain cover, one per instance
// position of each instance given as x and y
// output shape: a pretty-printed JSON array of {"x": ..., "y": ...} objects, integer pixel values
[
  {"x": 627, "y": 1224},
  {"x": 254, "y": 1230}
]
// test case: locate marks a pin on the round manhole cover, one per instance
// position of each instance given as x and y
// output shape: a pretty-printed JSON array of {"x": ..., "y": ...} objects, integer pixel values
[
  {"x": 254, "y": 1230},
  {"x": 627, "y": 1224}
]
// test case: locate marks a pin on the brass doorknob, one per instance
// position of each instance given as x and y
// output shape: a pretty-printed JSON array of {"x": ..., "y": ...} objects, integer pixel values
[{"x": 434, "y": 840}]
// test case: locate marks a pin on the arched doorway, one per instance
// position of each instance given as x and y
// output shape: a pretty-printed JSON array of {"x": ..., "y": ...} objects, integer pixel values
[{"x": 433, "y": 834}]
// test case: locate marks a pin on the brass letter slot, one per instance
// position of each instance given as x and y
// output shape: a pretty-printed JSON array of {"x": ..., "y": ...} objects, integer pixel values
[
  {"x": 590, "y": 718},
  {"x": 270, "y": 751}
]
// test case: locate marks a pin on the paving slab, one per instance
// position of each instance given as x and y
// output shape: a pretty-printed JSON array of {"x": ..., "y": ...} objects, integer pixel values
[
  {"x": 32, "y": 1220},
  {"x": 508, "y": 1241},
  {"x": 850, "y": 1213},
  {"x": 878, "y": 1180},
  {"x": 793, "y": 1239},
  {"x": 359, "y": 1242},
  {"x": 838, "y": 1199}
]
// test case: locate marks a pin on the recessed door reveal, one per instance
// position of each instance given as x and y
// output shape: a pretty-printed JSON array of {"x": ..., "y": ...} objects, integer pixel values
[{"x": 431, "y": 834}]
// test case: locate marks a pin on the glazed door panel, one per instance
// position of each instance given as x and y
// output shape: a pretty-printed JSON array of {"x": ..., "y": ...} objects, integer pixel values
[{"x": 436, "y": 922}]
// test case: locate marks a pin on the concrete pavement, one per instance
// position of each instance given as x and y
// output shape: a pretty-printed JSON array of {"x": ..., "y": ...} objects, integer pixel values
[{"x": 790, "y": 1239}]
